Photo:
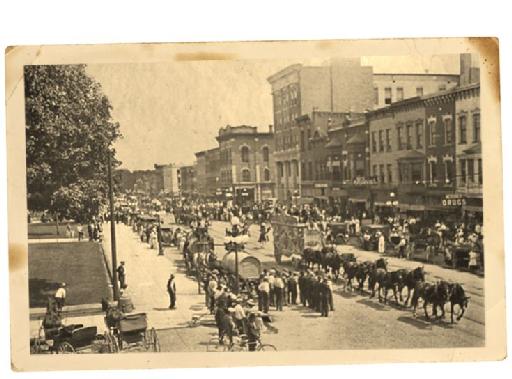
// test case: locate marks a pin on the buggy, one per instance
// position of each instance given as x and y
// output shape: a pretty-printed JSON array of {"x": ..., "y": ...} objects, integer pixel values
[{"x": 128, "y": 332}]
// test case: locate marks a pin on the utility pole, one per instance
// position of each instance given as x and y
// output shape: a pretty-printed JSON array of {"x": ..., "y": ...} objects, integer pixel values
[{"x": 115, "y": 283}]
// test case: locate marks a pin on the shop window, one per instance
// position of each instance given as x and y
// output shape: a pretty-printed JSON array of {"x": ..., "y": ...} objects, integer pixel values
[{"x": 419, "y": 135}]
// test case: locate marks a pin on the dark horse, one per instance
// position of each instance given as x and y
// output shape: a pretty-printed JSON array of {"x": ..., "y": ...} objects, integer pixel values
[
  {"x": 435, "y": 294},
  {"x": 458, "y": 297},
  {"x": 386, "y": 281},
  {"x": 410, "y": 280}
]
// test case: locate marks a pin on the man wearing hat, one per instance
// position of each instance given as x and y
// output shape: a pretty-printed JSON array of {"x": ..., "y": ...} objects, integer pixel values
[
  {"x": 292, "y": 289},
  {"x": 227, "y": 326},
  {"x": 60, "y": 296},
  {"x": 253, "y": 331},
  {"x": 263, "y": 295},
  {"x": 279, "y": 291},
  {"x": 171, "y": 289},
  {"x": 121, "y": 275},
  {"x": 239, "y": 316}
]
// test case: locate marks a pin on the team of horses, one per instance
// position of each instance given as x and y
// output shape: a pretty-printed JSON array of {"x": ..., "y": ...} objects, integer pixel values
[{"x": 380, "y": 281}]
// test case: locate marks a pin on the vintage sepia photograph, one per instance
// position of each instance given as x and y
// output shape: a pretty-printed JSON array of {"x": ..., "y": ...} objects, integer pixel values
[{"x": 215, "y": 204}]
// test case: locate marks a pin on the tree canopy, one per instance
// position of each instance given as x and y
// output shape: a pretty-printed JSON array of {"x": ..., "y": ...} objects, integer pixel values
[{"x": 69, "y": 134}]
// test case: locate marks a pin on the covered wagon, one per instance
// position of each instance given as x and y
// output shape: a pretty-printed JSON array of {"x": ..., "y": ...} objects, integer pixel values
[{"x": 249, "y": 267}]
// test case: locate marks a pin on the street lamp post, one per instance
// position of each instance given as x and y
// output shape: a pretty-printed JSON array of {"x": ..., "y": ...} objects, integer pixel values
[
  {"x": 159, "y": 237},
  {"x": 115, "y": 284}
]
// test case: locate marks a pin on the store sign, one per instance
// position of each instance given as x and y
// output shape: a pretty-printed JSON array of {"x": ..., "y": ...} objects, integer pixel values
[
  {"x": 321, "y": 185},
  {"x": 453, "y": 201}
]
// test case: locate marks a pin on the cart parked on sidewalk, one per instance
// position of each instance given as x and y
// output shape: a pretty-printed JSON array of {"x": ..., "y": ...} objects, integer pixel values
[
  {"x": 73, "y": 338},
  {"x": 129, "y": 332}
]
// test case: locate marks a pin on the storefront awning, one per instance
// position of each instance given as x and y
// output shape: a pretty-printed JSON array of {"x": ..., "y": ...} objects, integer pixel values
[{"x": 412, "y": 155}]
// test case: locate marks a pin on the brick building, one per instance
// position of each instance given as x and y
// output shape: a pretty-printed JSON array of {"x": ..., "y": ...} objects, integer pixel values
[
  {"x": 246, "y": 164},
  {"x": 390, "y": 88},
  {"x": 468, "y": 149},
  {"x": 341, "y": 87},
  {"x": 207, "y": 172},
  {"x": 169, "y": 178},
  {"x": 188, "y": 180}
]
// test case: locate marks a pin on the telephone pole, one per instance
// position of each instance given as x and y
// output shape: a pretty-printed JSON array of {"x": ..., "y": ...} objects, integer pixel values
[{"x": 115, "y": 283}]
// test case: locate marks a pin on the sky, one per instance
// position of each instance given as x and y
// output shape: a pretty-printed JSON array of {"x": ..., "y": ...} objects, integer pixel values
[{"x": 168, "y": 111}]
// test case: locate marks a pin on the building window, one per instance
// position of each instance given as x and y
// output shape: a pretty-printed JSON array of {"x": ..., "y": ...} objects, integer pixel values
[
  {"x": 266, "y": 175},
  {"x": 471, "y": 170},
  {"x": 419, "y": 91},
  {"x": 390, "y": 173},
  {"x": 376, "y": 96},
  {"x": 448, "y": 131},
  {"x": 448, "y": 175},
  {"x": 480, "y": 176},
  {"x": 442, "y": 87},
  {"x": 374, "y": 143},
  {"x": 462, "y": 130},
  {"x": 399, "y": 137},
  {"x": 388, "y": 140},
  {"x": 310, "y": 171},
  {"x": 280, "y": 171},
  {"x": 387, "y": 95},
  {"x": 381, "y": 140},
  {"x": 417, "y": 172},
  {"x": 309, "y": 138},
  {"x": 476, "y": 128},
  {"x": 399, "y": 93},
  {"x": 246, "y": 175},
  {"x": 433, "y": 172},
  {"x": 375, "y": 171},
  {"x": 266, "y": 154},
  {"x": 432, "y": 133},
  {"x": 245, "y": 154},
  {"x": 408, "y": 136},
  {"x": 302, "y": 145},
  {"x": 462, "y": 171},
  {"x": 381, "y": 173},
  {"x": 419, "y": 135}
]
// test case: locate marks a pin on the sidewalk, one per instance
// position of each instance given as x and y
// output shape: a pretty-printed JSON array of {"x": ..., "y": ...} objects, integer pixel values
[{"x": 146, "y": 277}]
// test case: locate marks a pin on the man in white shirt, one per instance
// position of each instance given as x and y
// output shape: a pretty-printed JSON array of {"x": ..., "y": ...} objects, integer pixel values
[
  {"x": 263, "y": 295},
  {"x": 239, "y": 316},
  {"x": 60, "y": 296}
]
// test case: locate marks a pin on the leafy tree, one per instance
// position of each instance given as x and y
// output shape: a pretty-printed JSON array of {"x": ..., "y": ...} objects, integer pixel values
[{"x": 69, "y": 131}]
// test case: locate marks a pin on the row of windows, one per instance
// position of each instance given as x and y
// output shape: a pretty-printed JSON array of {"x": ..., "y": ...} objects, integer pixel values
[
  {"x": 246, "y": 175},
  {"x": 410, "y": 136},
  {"x": 435, "y": 173},
  {"x": 245, "y": 154},
  {"x": 399, "y": 94}
]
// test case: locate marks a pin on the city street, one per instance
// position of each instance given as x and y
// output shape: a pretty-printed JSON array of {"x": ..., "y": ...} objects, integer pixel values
[{"x": 357, "y": 322}]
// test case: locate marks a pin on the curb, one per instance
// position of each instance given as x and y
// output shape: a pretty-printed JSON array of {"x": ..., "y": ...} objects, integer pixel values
[{"x": 69, "y": 311}]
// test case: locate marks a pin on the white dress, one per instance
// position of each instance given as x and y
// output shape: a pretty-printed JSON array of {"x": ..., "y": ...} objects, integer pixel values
[{"x": 382, "y": 243}]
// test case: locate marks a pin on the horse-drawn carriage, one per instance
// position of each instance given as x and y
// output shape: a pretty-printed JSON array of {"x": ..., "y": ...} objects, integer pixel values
[
  {"x": 129, "y": 332},
  {"x": 54, "y": 337},
  {"x": 340, "y": 232},
  {"x": 369, "y": 239},
  {"x": 249, "y": 267}
]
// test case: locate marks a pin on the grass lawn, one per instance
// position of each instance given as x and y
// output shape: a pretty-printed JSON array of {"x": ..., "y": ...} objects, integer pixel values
[
  {"x": 49, "y": 230},
  {"x": 79, "y": 264}
]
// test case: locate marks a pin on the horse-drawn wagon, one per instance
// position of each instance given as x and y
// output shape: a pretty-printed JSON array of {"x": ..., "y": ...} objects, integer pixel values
[
  {"x": 289, "y": 237},
  {"x": 128, "y": 332}
]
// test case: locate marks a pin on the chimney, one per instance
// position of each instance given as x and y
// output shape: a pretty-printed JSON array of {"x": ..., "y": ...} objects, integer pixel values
[{"x": 271, "y": 129}]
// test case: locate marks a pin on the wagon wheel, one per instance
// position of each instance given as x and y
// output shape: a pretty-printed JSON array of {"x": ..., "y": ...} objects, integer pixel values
[
  {"x": 65, "y": 348},
  {"x": 111, "y": 342},
  {"x": 35, "y": 348},
  {"x": 156, "y": 341}
]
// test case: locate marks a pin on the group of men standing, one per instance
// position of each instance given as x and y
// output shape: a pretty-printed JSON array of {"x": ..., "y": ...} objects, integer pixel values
[
  {"x": 277, "y": 289},
  {"x": 316, "y": 292}
]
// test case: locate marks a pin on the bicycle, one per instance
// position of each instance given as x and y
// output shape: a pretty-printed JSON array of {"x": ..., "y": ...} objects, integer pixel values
[{"x": 241, "y": 343}]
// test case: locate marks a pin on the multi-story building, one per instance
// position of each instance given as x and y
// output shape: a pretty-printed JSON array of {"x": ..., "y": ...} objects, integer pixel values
[
  {"x": 169, "y": 178},
  {"x": 207, "y": 172},
  {"x": 246, "y": 163},
  {"x": 297, "y": 90},
  {"x": 311, "y": 176},
  {"x": 397, "y": 155},
  {"x": 440, "y": 151},
  {"x": 188, "y": 180},
  {"x": 468, "y": 149},
  {"x": 390, "y": 88}
]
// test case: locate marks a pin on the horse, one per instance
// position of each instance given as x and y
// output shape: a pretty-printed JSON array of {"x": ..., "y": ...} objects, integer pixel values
[
  {"x": 386, "y": 281},
  {"x": 457, "y": 297},
  {"x": 350, "y": 269},
  {"x": 435, "y": 294},
  {"x": 410, "y": 280}
]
